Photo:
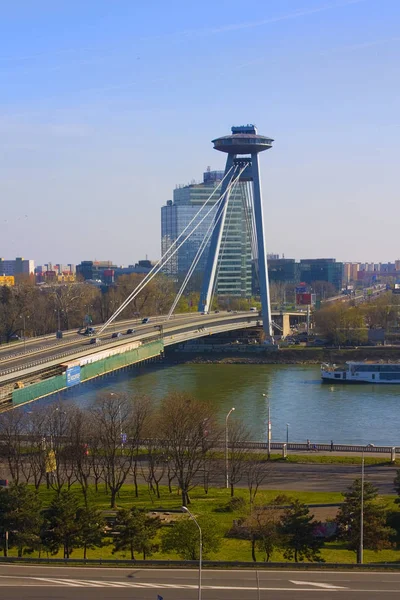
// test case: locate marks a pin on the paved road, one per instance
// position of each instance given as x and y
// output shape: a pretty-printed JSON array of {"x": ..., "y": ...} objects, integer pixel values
[
  {"x": 316, "y": 477},
  {"x": 78, "y": 343},
  {"x": 71, "y": 583},
  {"x": 295, "y": 477}
]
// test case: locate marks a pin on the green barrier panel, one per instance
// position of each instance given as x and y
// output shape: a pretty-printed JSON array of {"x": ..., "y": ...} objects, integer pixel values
[
  {"x": 118, "y": 361},
  {"x": 100, "y": 367},
  {"x": 37, "y": 390}
]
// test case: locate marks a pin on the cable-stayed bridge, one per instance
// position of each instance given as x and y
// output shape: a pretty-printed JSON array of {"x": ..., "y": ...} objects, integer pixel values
[{"x": 45, "y": 366}]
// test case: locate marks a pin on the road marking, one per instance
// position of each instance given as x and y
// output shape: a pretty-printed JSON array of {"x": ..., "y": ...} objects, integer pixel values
[
  {"x": 327, "y": 586},
  {"x": 57, "y": 581}
]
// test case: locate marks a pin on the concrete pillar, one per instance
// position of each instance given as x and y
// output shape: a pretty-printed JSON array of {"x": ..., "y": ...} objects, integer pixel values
[
  {"x": 393, "y": 455},
  {"x": 284, "y": 451},
  {"x": 286, "y": 325}
]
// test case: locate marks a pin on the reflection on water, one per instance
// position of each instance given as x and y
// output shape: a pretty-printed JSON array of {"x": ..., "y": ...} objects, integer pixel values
[{"x": 315, "y": 411}]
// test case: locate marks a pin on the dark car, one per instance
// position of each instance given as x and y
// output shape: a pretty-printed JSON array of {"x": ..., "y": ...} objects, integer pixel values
[
  {"x": 130, "y": 331},
  {"x": 145, "y": 320},
  {"x": 94, "y": 341},
  {"x": 89, "y": 331},
  {"x": 117, "y": 334}
]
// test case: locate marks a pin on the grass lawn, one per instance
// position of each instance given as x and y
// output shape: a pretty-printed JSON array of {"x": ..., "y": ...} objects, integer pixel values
[{"x": 205, "y": 505}]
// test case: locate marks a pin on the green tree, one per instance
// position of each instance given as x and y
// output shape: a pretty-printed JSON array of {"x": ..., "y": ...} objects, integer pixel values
[
  {"x": 183, "y": 538},
  {"x": 62, "y": 528},
  {"x": 92, "y": 527},
  {"x": 263, "y": 527},
  {"x": 396, "y": 484},
  {"x": 20, "y": 516},
  {"x": 297, "y": 528},
  {"x": 376, "y": 533},
  {"x": 136, "y": 532}
]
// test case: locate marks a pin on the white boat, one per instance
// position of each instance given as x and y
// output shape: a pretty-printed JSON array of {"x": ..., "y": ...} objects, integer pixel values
[{"x": 361, "y": 372}]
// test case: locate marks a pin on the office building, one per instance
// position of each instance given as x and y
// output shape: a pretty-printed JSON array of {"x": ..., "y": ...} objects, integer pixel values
[
  {"x": 322, "y": 269},
  {"x": 284, "y": 270},
  {"x": 234, "y": 270}
]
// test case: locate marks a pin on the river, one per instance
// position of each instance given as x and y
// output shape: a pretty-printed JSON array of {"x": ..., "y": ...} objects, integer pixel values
[{"x": 320, "y": 412}]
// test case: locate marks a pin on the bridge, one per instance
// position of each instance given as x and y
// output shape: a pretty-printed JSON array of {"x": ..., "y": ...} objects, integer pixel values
[{"x": 45, "y": 365}]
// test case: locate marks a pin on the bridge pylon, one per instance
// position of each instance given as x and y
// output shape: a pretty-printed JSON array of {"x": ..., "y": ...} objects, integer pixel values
[{"x": 242, "y": 147}]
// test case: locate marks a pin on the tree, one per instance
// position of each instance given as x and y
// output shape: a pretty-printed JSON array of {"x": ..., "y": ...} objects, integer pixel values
[
  {"x": 92, "y": 527},
  {"x": 62, "y": 528},
  {"x": 263, "y": 527},
  {"x": 12, "y": 428},
  {"x": 112, "y": 416},
  {"x": 297, "y": 528},
  {"x": 136, "y": 532},
  {"x": 341, "y": 324},
  {"x": 20, "y": 516},
  {"x": 142, "y": 411},
  {"x": 256, "y": 473},
  {"x": 237, "y": 453},
  {"x": 189, "y": 430},
  {"x": 183, "y": 538},
  {"x": 376, "y": 533}
]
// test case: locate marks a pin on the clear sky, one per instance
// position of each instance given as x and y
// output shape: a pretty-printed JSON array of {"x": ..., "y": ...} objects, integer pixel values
[{"x": 106, "y": 105}]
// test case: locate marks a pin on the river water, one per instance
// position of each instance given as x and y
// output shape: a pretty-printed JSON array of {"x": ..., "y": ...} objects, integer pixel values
[{"x": 320, "y": 412}]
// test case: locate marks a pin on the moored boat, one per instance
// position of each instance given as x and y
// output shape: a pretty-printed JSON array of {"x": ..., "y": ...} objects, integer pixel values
[{"x": 361, "y": 372}]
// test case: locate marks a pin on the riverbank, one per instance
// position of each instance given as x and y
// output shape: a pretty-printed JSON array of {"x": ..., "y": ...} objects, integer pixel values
[{"x": 289, "y": 356}]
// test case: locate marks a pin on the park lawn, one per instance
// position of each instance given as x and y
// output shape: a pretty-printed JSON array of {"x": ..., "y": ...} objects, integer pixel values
[{"x": 205, "y": 505}]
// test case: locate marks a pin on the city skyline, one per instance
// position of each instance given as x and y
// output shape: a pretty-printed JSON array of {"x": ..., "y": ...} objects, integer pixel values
[{"x": 87, "y": 89}]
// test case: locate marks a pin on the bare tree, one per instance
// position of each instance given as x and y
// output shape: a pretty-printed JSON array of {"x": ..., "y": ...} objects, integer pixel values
[
  {"x": 80, "y": 446},
  {"x": 12, "y": 430},
  {"x": 59, "y": 456},
  {"x": 142, "y": 410},
  {"x": 256, "y": 471},
  {"x": 237, "y": 452},
  {"x": 34, "y": 467},
  {"x": 189, "y": 430},
  {"x": 112, "y": 416}
]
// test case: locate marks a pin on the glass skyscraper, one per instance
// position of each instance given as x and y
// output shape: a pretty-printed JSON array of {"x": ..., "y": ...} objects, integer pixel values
[{"x": 234, "y": 271}]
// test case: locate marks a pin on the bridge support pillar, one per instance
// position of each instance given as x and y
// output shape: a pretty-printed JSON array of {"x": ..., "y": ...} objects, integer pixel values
[
  {"x": 285, "y": 325},
  {"x": 393, "y": 455}
]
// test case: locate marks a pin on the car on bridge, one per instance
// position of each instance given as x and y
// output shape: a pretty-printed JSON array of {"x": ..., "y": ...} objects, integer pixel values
[
  {"x": 89, "y": 331},
  {"x": 145, "y": 320},
  {"x": 116, "y": 334},
  {"x": 129, "y": 331},
  {"x": 94, "y": 341}
]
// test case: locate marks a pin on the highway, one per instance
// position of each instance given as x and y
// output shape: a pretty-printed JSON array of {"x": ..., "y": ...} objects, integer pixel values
[
  {"x": 102, "y": 583},
  {"x": 46, "y": 351}
]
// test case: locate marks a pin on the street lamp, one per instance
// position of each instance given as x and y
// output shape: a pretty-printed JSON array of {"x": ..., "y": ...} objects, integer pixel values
[
  {"x": 269, "y": 426},
  {"x": 362, "y": 511},
  {"x": 24, "y": 327},
  {"x": 287, "y": 433},
  {"x": 226, "y": 448},
  {"x": 186, "y": 510}
]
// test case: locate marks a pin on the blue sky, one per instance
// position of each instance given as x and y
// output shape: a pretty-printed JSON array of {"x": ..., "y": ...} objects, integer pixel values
[{"x": 106, "y": 105}]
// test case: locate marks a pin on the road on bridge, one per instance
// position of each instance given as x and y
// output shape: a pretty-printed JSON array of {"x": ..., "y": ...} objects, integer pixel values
[
  {"x": 47, "y": 350},
  {"x": 70, "y": 583}
]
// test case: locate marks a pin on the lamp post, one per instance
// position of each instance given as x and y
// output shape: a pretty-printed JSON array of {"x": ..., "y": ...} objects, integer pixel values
[
  {"x": 24, "y": 327},
  {"x": 226, "y": 448},
  {"x": 269, "y": 426},
  {"x": 186, "y": 510},
  {"x": 361, "y": 557},
  {"x": 287, "y": 433}
]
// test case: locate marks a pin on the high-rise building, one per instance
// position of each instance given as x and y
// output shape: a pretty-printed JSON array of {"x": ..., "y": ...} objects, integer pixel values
[
  {"x": 19, "y": 266},
  {"x": 234, "y": 271}
]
